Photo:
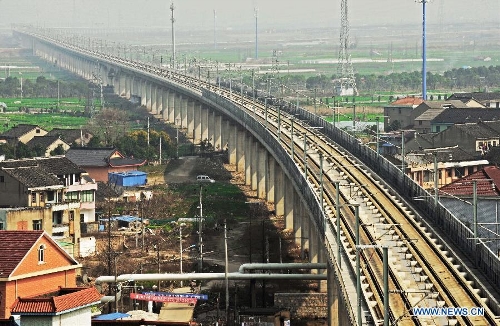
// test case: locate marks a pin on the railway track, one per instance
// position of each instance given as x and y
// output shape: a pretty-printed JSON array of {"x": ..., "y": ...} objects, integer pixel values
[{"x": 420, "y": 273}]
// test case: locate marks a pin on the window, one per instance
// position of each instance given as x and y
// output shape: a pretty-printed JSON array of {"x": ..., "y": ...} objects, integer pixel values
[
  {"x": 37, "y": 131},
  {"x": 2, "y": 178},
  {"x": 41, "y": 254},
  {"x": 82, "y": 218},
  {"x": 1, "y": 226},
  {"x": 50, "y": 196},
  {"x": 42, "y": 197},
  {"x": 419, "y": 122},
  {"x": 33, "y": 198},
  {"x": 37, "y": 224},
  {"x": 87, "y": 196},
  {"x": 72, "y": 196}
]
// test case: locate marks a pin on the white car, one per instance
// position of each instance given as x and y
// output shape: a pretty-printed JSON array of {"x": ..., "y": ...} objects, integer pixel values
[{"x": 204, "y": 178}]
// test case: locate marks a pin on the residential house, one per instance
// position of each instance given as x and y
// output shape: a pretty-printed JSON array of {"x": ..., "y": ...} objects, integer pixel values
[
  {"x": 47, "y": 193},
  {"x": 474, "y": 138},
  {"x": 66, "y": 306},
  {"x": 47, "y": 144},
  {"x": 488, "y": 99},
  {"x": 425, "y": 115},
  {"x": 458, "y": 197},
  {"x": 99, "y": 162},
  {"x": 32, "y": 264},
  {"x": 401, "y": 110},
  {"x": 450, "y": 164},
  {"x": 23, "y": 133},
  {"x": 78, "y": 137}
]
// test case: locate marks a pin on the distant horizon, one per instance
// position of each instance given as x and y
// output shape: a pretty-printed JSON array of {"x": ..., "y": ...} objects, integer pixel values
[{"x": 240, "y": 15}]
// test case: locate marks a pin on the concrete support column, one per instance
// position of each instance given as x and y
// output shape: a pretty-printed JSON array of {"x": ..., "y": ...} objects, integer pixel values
[
  {"x": 211, "y": 127},
  {"x": 270, "y": 169},
  {"x": 240, "y": 149},
  {"x": 128, "y": 86},
  {"x": 184, "y": 110},
  {"x": 249, "y": 152},
  {"x": 232, "y": 144},
  {"x": 305, "y": 240},
  {"x": 197, "y": 123},
  {"x": 164, "y": 100},
  {"x": 298, "y": 230},
  {"x": 289, "y": 205},
  {"x": 143, "y": 87},
  {"x": 171, "y": 102},
  {"x": 204, "y": 123},
  {"x": 190, "y": 119},
  {"x": 177, "y": 109},
  {"x": 159, "y": 101},
  {"x": 262, "y": 171},
  {"x": 279, "y": 193},
  {"x": 314, "y": 241},
  {"x": 154, "y": 107},
  {"x": 332, "y": 297},
  {"x": 217, "y": 132},
  {"x": 255, "y": 163},
  {"x": 123, "y": 90},
  {"x": 148, "y": 96}
]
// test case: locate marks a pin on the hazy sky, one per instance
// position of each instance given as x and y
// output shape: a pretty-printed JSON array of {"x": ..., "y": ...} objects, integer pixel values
[{"x": 239, "y": 14}]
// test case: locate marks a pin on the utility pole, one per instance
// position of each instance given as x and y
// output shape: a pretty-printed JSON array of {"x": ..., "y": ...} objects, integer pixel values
[
  {"x": 424, "y": 51},
  {"x": 256, "y": 14},
  {"x": 215, "y": 29},
  {"x": 172, "y": 19},
  {"x": 226, "y": 271}
]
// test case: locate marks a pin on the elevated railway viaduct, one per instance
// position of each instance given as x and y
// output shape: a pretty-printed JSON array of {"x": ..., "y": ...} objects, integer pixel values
[{"x": 347, "y": 205}]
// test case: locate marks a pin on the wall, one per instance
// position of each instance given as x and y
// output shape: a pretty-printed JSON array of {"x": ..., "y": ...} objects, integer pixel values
[
  {"x": 34, "y": 286},
  {"x": 303, "y": 305},
  {"x": 12, "y": 193}
]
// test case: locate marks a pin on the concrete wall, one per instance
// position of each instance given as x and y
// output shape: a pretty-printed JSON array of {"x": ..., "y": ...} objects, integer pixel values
[{"x": 303, "y": 305}]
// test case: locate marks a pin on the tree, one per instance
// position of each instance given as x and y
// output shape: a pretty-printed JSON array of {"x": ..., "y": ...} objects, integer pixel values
[{"x": 109, "y": 125}]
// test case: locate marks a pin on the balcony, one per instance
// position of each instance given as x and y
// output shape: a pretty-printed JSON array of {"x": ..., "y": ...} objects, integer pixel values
[{"x": 65, "y": 206}]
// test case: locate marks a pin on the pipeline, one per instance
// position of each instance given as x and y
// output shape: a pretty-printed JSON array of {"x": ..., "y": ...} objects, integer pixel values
[{"x": 240, "y": 275}]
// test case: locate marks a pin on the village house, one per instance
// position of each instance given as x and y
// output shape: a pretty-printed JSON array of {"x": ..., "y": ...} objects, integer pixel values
[
  {"x": 48, "y": 144},
  {"x": 22, "y": 133},
  {"x": 50, "y": 194},
  {"x": 73, "y": 137},
  {"x": 32, "y": 264},
  {"x": 99, "y": 162},
  {"x": 66, "y": 306}
]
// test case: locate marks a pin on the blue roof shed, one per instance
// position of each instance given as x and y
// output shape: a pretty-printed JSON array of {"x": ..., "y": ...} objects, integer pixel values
[{"x": 128, "y": 179}]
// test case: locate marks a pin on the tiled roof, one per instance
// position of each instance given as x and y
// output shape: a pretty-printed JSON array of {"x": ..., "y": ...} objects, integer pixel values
[
  {"x": 478, "y": 96},
  {"x": 66, "y": 299},
  {"x": 430, "y": 114},
  {"x": 33, "y": 176},
  {"x": 480, "y": 130},
  {"x": 86, "y": 156},
  {"x": 115, "y": 162},
  {"x": 57, "y": 165},
  {"x": 14, "y": 245},
  {"x": 68, "y": 135},
  {"x": 19, "y": 130},
  {"x": 42, "y": 141},
  {"x": 105, "y": 191},
  {"x": 487, "y": 180},
  {"x": 467, "y": 115}
]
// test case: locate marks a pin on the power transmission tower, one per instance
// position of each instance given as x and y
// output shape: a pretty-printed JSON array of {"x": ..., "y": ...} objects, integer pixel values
[{"x": 346, "y": 84}]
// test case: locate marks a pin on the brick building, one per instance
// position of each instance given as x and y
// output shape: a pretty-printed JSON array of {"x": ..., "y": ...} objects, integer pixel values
[{"x": 32, "y": 264}]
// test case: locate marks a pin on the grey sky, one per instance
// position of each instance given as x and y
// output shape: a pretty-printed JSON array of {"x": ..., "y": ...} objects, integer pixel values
[{"x": 239, "y": 14}]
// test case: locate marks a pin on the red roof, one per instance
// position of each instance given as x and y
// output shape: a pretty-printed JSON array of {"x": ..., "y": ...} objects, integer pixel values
[
  {"x": 66, "y": 299},
  {"x": 486, "y": 181},
  {"x": 14, "y": 245},
  {"x": 408, "y": 101}
]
